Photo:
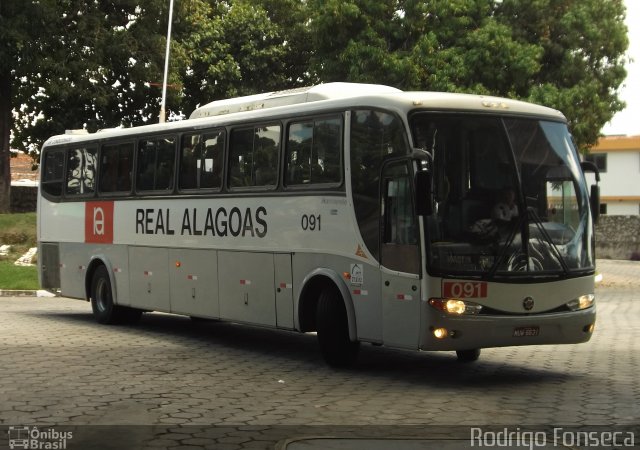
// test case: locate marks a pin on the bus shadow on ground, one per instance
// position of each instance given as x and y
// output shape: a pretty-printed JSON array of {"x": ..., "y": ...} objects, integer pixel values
[{"x": 211, "y": 338}]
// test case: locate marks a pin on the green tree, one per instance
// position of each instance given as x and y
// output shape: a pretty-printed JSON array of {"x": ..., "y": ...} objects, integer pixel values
[
  {"x": 76, "y": 64},
  {"x": 582, "y": 64},
  {"x": 552, "y": 52},
  {"x": 242, "y": 48}
]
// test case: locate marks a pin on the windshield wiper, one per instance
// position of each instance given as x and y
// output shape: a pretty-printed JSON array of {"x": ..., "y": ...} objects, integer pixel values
[
  {"x": 505, "y": 247},
  {"x": 535, "y": 218}
]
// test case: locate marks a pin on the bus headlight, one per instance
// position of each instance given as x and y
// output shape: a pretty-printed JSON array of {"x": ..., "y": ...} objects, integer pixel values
[
  {"x": 582, "y": 302},
  {"x": 455, "y": 306}
]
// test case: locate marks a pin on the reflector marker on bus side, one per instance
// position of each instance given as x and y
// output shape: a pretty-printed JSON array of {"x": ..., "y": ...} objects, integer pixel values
[
  {"x": 63, "y": 265},
  {"x": 360, "y": 292},
  {"x": 404, "y": 297},
  {"x": 82, "y": 267},
  {"x": 285, "y": 286},
  {"x": 148, "y": 273},
  {"x": 245, "y": 282},
  {"x": 192, "y": 277},
  {"x": 117, "y": 269}
]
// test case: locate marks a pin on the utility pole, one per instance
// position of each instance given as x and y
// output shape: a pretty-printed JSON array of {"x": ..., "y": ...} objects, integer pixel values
[{"x": 166, "y": 66}]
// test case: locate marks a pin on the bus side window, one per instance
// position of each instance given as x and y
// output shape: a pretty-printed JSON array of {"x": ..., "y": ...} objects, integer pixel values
[
  {"x": 313, "y": 152},
  {"x": 155, "y": 164},
  {"x": 211, "y": 162},
  {"x": 253, "y": 157},
  {"x": 81, "y": 171},
  {"x": 201, "y": 161},
  {"x": 115, "y": 168},
  {"x": 375, "y": 135},
  {"x": 53, "y": 172},
  {"x": 189, "y": 162}
]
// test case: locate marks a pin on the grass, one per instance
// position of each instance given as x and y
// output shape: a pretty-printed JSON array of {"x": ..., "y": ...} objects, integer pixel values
[
  {"x": 18, "y": 277},
  {"x": 19, "y": 231}
]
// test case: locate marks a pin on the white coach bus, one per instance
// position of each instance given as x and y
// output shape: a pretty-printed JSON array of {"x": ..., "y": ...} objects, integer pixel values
[{"x": 414, "y": 220}]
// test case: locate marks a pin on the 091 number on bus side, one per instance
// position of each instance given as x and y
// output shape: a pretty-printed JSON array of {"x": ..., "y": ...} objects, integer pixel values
[{"x": 311, "y": 222}]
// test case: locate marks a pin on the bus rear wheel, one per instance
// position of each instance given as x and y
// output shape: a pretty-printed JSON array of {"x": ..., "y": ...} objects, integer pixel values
[
  {"x": 468, "y": 355},
  {"x": 333, "y": 330},
  {"x": 104, "y": 310}
]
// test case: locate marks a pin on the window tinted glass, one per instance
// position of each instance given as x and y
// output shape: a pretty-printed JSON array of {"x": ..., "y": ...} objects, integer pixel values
[
  {"x": 52, "y": 172},
  {"x": 201, "y": 161},
  {"x": 375, "y": 135},
  {"x": 81, "y": 171},
  {"x": 155, "y": 164},
  {"x": 253, "y": 157},
  {"x": 115, "y": 167},
  {"x": 313, "y": 152}
]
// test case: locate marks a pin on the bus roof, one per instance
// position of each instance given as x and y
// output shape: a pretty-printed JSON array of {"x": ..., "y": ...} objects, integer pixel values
[
  {"x": 323, "y": 97},
  {"x": 290, "y": 97}
]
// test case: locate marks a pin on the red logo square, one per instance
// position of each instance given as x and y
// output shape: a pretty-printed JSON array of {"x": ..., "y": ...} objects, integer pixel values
[{"x": 98, "y": 222}]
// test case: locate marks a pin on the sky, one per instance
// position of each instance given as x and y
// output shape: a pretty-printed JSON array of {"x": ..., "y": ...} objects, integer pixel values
[{"x": 628, "y": 121}]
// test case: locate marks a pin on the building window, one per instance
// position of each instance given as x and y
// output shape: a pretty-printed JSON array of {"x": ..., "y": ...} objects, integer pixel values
[
  {"x": 603, "y": 208},
  {"x": 599, "y": 159}
]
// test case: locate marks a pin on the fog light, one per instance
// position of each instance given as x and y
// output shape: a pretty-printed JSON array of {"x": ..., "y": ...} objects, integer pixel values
[
  {"x": 440, "y": 333},
  {"x": 589, "y": 328}
]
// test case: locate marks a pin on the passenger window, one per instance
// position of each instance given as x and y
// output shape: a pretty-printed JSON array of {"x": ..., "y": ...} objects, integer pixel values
[
  {"x": 375, "y": 136},
  {"x": 116, "y": 162},
  {"x": 253, "y": 157},
  {"x": 155, "y": 164},
  {"x": 81, "y": 171},
  {"x": 53, "y": 172},
  {"x": 201, "y": 161},
  {"x": 313, "y": 152}
]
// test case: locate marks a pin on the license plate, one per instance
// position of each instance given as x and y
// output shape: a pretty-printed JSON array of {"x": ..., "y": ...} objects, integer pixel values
[{"x": 526, "y": 331}]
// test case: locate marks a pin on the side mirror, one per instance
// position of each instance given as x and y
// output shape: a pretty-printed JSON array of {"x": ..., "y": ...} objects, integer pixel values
[
  {"x": 594, "y": 197},
  {"x": 424, "y": 193}
]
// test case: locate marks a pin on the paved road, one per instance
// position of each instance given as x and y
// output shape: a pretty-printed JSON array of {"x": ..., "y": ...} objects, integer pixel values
[{"x": 245, "y": 387}]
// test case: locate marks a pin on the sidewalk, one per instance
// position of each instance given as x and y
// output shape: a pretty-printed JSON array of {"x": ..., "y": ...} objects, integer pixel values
[{"x": 619, "y": 273}]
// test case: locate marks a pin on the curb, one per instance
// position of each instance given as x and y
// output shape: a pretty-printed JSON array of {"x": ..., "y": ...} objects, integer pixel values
[{"x": 25, "y": 293}]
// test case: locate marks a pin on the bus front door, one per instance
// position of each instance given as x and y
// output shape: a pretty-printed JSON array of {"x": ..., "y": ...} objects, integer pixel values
[{"x": 400, "y": 258}]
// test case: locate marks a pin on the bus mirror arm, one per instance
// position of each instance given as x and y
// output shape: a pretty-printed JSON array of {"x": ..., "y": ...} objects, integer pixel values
[
  {"x": 424, "y": 193},
  {"x": 594, "y": 197}
]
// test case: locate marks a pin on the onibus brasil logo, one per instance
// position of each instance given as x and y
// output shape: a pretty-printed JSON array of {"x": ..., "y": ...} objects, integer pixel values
[{"x": 32, "y": 438}]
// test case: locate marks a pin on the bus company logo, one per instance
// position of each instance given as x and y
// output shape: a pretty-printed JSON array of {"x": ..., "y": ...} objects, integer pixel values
[
  {"x": 98, "y": 222},
  {"x": 32, "y": 438}
]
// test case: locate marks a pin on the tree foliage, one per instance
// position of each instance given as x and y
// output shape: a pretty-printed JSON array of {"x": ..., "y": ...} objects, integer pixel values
[{"x": 98, "y": 64}]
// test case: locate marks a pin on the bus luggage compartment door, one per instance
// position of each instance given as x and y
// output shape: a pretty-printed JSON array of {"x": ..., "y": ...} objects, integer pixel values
[
  {"x": 247, "y": 293},
  {"x": 194, "y": 282}
]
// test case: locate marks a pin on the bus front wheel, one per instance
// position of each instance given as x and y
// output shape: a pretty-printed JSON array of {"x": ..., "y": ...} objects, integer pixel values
[
  {"x": 104, "y": 310},
  {"x": 468, "y": 355},
  {"x": 333, "y": 330}
]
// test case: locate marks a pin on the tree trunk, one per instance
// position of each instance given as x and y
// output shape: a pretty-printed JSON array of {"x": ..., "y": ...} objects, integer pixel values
[{"x": 5, "y": 131}]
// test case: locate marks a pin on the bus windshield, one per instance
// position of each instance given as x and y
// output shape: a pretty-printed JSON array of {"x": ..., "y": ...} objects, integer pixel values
[{"x": 510, "y": 198}]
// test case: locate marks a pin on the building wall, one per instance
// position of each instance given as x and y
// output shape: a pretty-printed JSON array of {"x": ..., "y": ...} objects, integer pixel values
[
  {"x": 617, "y": 237},
  {"x": 620, "y": 183}
]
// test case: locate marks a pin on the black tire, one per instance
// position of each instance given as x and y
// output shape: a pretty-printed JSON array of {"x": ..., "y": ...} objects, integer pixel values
[
  {"x": 468, "y": 355},
  {"x": 104, "y": 310},
  {"x": 333, "y": 330}
]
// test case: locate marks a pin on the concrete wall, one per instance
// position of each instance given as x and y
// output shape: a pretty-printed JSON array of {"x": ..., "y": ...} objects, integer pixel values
[
  {"x": 618, "y": 237},
  {"x": 23, "y": 199}
]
